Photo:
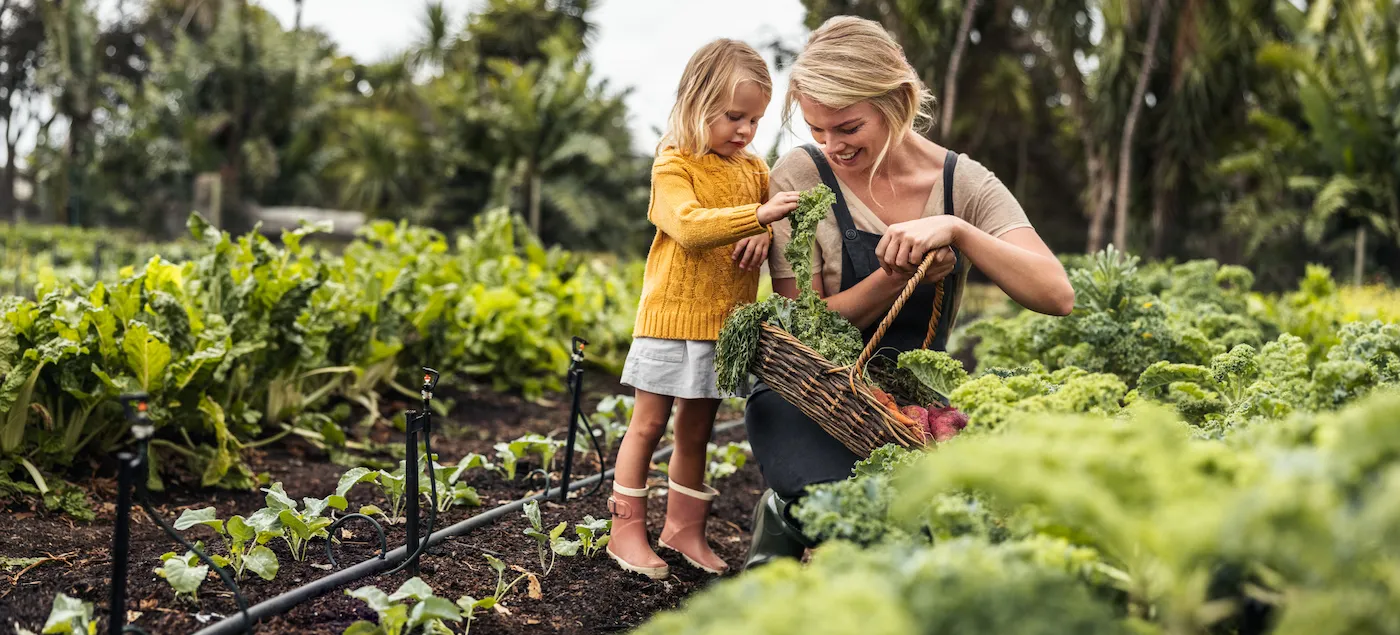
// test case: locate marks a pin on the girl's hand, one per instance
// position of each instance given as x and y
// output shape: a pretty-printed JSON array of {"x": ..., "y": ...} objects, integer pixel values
[
  {"x": 777, "y": 208},
  {"x": 904, "y": 245},
  {"x": 751, "y": 252}
]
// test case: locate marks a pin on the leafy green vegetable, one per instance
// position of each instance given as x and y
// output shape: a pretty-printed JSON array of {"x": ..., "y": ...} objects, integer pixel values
[
  {"x": 807, "y": 318},
  {"x": 935, "y": 369}
]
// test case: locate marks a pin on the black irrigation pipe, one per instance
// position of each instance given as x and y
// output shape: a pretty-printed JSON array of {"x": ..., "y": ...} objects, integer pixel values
[{"x": 290, "y": 599}]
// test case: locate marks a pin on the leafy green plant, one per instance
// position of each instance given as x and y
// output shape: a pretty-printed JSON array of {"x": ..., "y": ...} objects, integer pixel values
[
  {"x": 398, "y": 617},
  {"x": 246, "y": 539},
  {"x": 185, "y": 573},
  {"x": 593, "y": 534},
  {"x": 302, "y": 525},
  {"x": 551, "y": 544},
  {"x": 69, "y": 616},
  {"x": 451, "y": 490},
  {"x": 509, "y": 454}
]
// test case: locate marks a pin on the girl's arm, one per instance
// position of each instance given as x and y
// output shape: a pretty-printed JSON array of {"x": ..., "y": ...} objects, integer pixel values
[
  {"x": 677, "y": 211},
  {"x": 1018, "y": 261}
]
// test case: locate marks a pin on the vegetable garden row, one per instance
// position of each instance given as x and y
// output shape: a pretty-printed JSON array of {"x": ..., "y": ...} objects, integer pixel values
[{"x": 1182, "y": 454}]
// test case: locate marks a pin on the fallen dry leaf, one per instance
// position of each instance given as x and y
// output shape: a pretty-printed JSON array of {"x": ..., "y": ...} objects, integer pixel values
[
  {"x": 535, "y": 591},
  {"x": 501, "y": 608},
  {"x": 346, "y": 534},
  {"x": 132, "y": 616},
  {"x": 147, "y": 605}
]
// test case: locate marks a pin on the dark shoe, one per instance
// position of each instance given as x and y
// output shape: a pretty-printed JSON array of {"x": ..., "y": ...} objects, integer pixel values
[{"x": 775, "y": 534}]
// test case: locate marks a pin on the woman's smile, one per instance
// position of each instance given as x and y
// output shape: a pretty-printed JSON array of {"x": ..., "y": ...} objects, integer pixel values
[{"x": 846, "y": 158}]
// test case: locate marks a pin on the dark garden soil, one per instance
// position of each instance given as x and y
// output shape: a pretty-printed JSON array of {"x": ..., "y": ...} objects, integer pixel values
[{"x": 579, "y": 595}]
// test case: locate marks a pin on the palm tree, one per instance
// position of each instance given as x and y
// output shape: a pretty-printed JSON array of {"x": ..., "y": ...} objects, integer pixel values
[
  {"x": 548, "y": 114},
  {"x": 1342, "y": 151}
]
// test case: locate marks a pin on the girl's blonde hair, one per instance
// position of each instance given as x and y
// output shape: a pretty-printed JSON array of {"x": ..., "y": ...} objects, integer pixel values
[
  {"x": 849, "y": 60},
  {"x": 709, "y": 81}
]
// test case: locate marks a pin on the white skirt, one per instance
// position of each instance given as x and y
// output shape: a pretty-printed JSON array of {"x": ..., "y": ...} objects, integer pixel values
[{"x": 679, "y": 368}]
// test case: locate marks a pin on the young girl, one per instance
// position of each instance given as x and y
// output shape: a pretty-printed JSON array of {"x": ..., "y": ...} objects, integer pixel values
[{"x": 707, "y": 193}]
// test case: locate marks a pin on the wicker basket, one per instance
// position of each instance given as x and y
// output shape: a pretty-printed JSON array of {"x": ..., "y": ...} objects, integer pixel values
[{"x": 838, "y": 398}]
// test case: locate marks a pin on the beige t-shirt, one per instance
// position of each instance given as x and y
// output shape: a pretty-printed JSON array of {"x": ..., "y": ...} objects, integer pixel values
[{"x": 979, "y": 198}]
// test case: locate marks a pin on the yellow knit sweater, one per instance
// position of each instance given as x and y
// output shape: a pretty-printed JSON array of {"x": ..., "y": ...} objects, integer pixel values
[{"x": 701, "y": 206}]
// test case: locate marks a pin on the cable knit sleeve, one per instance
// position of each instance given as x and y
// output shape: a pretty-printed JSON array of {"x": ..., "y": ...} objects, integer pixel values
[{"x": 676, "y": 210}]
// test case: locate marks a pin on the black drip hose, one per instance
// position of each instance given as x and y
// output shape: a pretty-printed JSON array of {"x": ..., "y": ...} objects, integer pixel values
[
  {"x": 223, "y": 575},
  {"x": 330, "y": 533},
  {"x": 598, "y": 448}
]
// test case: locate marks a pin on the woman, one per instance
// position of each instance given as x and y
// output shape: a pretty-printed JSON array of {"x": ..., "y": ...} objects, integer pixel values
[{"x": 900, "y": 196}]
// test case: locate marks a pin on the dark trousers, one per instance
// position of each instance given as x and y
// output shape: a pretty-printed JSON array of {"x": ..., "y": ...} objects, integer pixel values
[{"x": 792, "y": 451}]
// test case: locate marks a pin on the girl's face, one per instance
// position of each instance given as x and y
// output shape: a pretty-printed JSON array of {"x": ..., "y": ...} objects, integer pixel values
[
  {"x": 851, "y": 137},
  {"x": 736, "y": 126}
]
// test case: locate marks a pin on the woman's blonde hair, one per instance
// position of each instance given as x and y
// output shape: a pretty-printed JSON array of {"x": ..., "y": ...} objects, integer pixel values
[
  {"x": 709, "y": 81},
  {"x": 849, "y": 60}
]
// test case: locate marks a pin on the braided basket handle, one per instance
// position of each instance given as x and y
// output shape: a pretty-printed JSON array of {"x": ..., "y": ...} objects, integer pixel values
[{"x": 909, "y": 288}]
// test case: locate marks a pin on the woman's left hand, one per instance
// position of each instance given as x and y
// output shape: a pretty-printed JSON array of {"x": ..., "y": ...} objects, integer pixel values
[{"x": 903, "y": 247}]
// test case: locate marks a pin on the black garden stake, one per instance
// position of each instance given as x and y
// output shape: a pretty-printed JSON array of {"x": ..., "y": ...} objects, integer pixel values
[
  {"x": 577, "y": 417},
  {"x": 421, "y": 421},
  {"x": 128, "y": 465},
  {"x": 130, "y": 485}
]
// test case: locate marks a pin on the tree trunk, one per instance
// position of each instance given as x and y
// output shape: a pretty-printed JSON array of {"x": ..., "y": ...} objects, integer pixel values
[
  {"x": 1161, "y": 215},
  {"x": 232, "y": 171},
  {"x": 1125, "y": 150},
  {"x": 950, "y": 81},
  {"x": 1099, "y": 189},
  {"x": 1358, "y": 268},
  {"x": 9, "y": 207},
  {"x": 296, "y": 26},
  {"x": 534, "y": 183},
  {"x": 1101, "y": 192}
]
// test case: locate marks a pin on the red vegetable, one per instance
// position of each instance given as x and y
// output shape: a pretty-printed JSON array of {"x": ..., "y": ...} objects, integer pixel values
[
  {"x": 943, "y": 430},
  {"x": 945, "y": 422}
]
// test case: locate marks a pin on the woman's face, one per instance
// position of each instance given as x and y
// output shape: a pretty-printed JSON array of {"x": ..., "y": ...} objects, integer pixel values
[{"x": 851, "y": 137}]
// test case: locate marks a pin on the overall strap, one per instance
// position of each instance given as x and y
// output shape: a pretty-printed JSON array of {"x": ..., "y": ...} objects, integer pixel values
[
  {"x": 843, "y": 213},
  {"x": 949, "y": 165},
  {"x": 938, "y": 327}
]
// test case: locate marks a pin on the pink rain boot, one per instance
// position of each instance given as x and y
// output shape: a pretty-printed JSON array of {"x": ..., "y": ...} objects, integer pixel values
[
  {"x": 629, "y": 534},
  {"x": 684, "y": 533}
]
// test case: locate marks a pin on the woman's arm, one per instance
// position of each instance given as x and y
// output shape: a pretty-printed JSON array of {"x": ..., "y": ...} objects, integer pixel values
[{"x": 1019, "y": 261}]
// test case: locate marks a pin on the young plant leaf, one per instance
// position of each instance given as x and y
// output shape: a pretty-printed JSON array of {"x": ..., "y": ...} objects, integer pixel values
[
  {"x": 263, "y": 562},
  {"x": 192, "y": 517}
]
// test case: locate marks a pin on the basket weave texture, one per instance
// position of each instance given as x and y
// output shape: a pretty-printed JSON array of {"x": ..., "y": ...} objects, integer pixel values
[{"x": 839, "y": 398}]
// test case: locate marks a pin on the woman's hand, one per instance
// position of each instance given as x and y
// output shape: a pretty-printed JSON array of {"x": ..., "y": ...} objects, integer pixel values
[
  {"x": 752, "y": 251},
  {"x": 903, "y": 247},
  {"x": 943, "y": 262}
]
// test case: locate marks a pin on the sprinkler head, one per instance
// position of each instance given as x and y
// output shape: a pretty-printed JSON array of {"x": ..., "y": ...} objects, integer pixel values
[
  {"x": 430, "y": 379},
  {"x": 137, "y": 409}
]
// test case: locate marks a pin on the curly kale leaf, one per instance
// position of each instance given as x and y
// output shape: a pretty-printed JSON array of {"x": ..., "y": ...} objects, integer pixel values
[
  {"x": 935, "y": 369},
  {"x": 813, "y": 205}
]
